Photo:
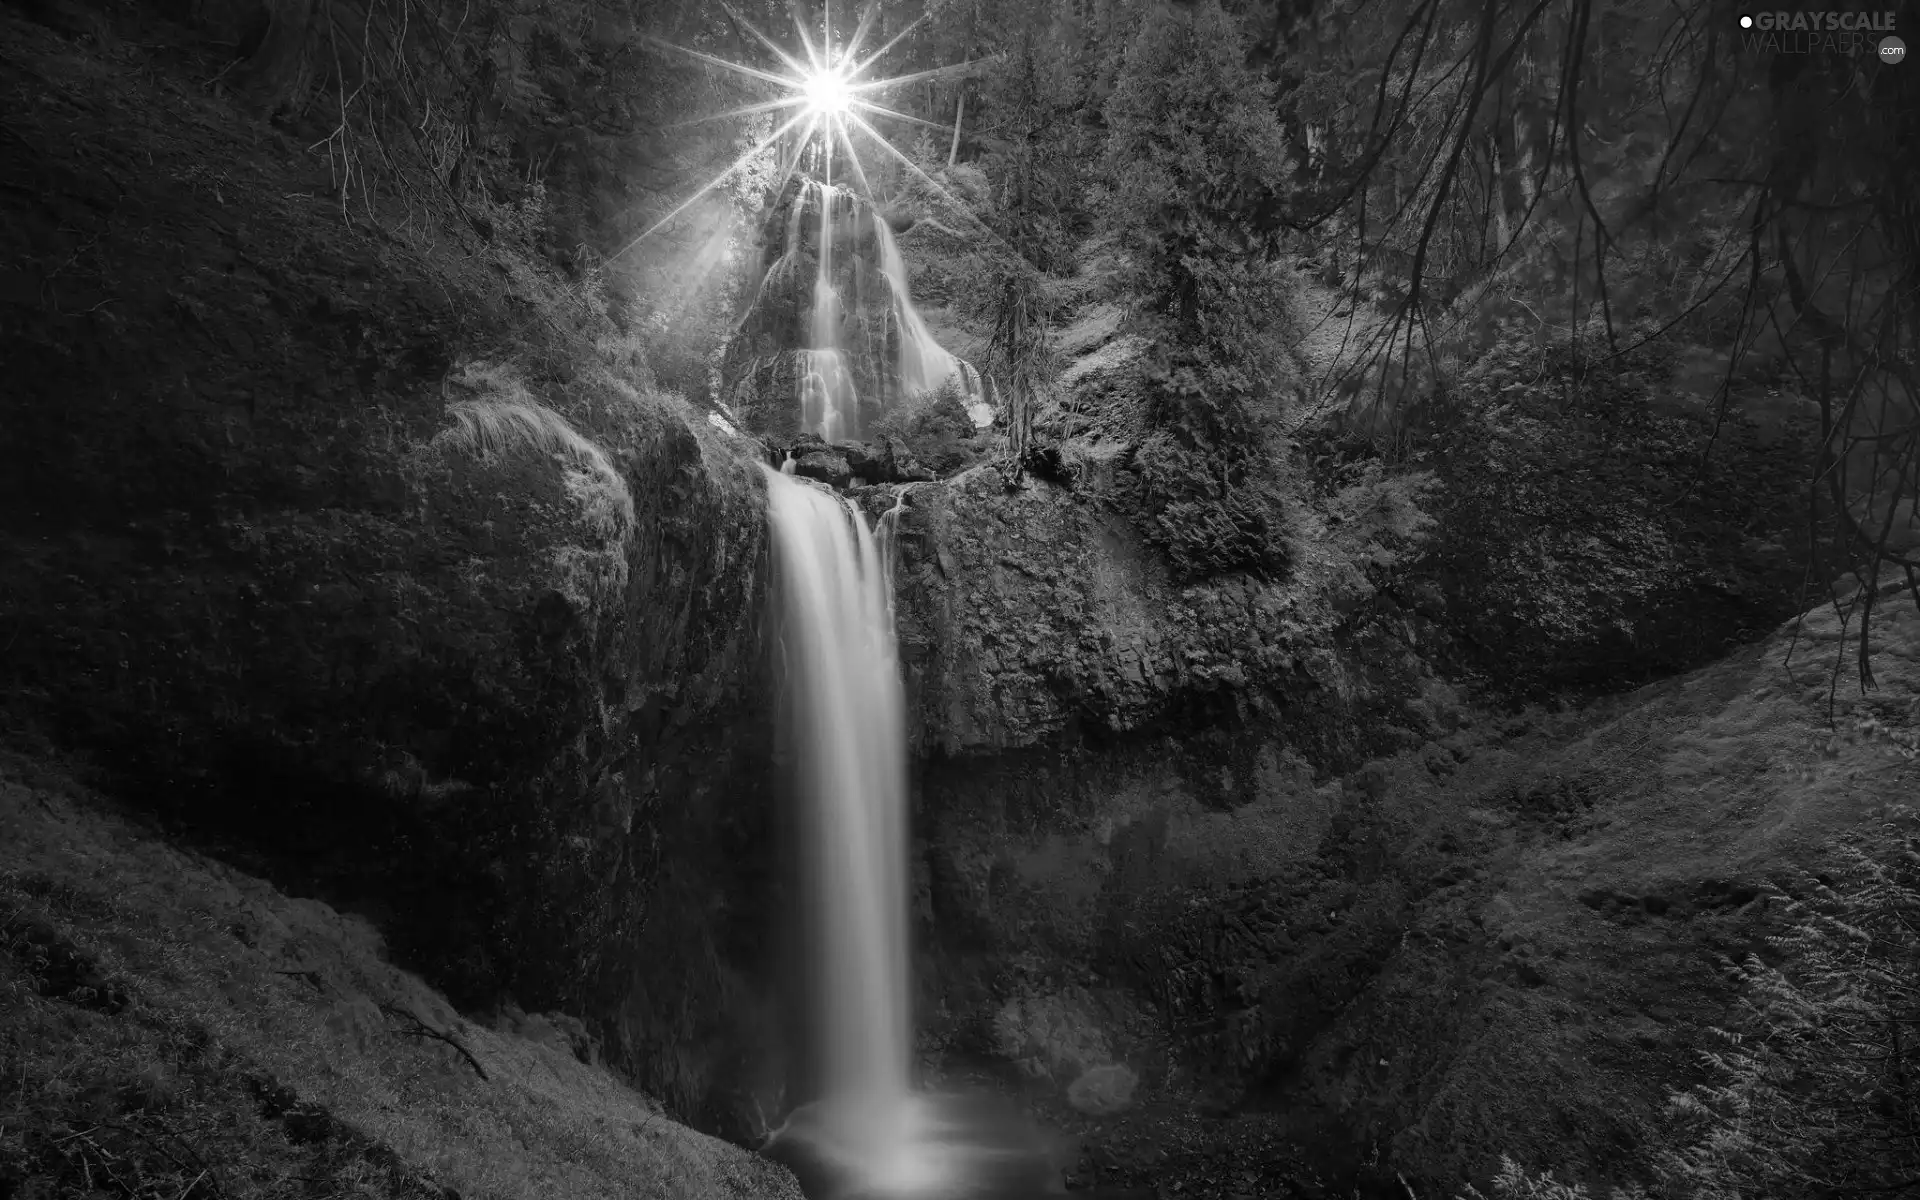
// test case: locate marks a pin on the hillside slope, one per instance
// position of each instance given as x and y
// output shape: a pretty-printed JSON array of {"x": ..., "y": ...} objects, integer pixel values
[{"x": 168, "y": 1023}]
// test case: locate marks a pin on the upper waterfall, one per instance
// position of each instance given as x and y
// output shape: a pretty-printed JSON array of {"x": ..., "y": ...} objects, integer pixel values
[{"x": 831, "y": 339}]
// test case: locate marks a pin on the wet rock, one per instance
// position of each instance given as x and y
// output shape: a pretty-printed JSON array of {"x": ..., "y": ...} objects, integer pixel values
[
  {"x": 887, "y": 460},
  {"x": 826, "y": 466},
  {"x": 440, "y": 647},
  {"x": 871, "y": 462}
]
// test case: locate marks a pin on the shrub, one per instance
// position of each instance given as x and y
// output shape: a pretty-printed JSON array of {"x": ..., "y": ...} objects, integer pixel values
[
  {"x": 1592, "y": 533},
  {"x": 1815, "y": 1091},
  {"x": 1515, "y": 1182},
  {"x": 934, "y": 424},
  {"x": 1204, "y": 490}
]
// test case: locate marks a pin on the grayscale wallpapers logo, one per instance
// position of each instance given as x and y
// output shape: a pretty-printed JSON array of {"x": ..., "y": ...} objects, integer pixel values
[{"x": 1823, "y": 32}]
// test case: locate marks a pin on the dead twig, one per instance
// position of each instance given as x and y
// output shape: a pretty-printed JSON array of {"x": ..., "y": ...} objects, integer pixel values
[
  {"x": 312, "y": 977},
  {"x": 422, "y": 1029}
]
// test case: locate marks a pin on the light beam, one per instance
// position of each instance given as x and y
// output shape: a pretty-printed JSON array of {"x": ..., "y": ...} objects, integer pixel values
[{"x": 828, "y": 91}]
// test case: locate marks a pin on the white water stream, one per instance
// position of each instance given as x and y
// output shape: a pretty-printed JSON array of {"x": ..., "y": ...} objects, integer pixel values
[
  {"x": 828, "y": 403},
  {"x": 848, "y": 717},
  {"x": 866, "y": 1133}
]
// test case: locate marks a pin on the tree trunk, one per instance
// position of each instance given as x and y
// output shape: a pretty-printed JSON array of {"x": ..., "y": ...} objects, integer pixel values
[{"x": 959, "y": 111}]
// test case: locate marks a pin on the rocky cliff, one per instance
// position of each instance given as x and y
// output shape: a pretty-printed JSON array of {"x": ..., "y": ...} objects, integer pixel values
[{"x": 357, "y": 547}]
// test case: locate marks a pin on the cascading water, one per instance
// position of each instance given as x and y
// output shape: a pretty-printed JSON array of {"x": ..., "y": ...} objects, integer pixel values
[
  {"x": 835, "y": 304},
  {"x": 848, "y": 719},
  {"x": 924, "y": 363},
  {"x": 865, "y": 1133},
  {"x": 827, "y": 386}
]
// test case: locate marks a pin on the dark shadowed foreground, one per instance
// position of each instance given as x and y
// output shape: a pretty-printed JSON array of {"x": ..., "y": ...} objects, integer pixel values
[{"x": 168, "y": 1024}]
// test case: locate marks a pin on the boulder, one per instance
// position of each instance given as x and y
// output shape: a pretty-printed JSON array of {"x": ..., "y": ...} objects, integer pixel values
[{"x": 828, "y": 466}]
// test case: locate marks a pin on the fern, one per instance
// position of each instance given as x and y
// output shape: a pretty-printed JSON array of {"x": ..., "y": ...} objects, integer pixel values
[
  {"x": 1515, "y": 1182},
  {"x": 1815, "y": 1092}
]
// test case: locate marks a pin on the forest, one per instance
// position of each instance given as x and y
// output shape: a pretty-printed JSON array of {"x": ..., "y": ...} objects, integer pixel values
[{"x": 1387, "y": 533}]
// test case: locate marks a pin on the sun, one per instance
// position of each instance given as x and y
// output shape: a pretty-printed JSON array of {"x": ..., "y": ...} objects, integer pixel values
[{"x": 827, "y": 93}]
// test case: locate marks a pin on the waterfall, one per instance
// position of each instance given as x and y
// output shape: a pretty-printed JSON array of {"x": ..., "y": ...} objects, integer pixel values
[
  {"x": 827, "y": 386},
  {"x": 855, "y": 314},
  {"x": 924, "y": 363},
  {"x": 864, "y": 1133},
  {"x": 848, "y": 715}
]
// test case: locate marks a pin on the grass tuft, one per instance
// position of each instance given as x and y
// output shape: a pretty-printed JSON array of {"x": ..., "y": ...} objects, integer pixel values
[{"x": 510, "y": 421}]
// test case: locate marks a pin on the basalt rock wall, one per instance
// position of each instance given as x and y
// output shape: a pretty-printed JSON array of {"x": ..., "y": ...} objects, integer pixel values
[{"x": 1096, "y": 747}]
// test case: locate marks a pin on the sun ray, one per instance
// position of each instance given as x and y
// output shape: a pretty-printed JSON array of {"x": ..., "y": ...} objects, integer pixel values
[
  {"x": 715, "y": 60},
  {"x": 853, "y": 159},
  {"x": 870, "y": 106},
  {"x": 806, "y": 40},
  {"x": 957, "y": 69},
  {"x": 745, "y": 110},
  {"x": 830, "y": 91},
  {"x": 935, "y": 184},
  {"x": 793, "y": 64},
  {"x": 737, "y": 163},
  {"x": 793, "y": 161},
  {"x": 877, "y": 55},
  {"x": 867, "y": 15}
]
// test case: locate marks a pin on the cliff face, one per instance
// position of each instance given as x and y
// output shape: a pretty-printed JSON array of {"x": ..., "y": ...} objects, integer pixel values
[
  {"x": 288, "y": 553},
  {"x": 1032, "y": 615}
]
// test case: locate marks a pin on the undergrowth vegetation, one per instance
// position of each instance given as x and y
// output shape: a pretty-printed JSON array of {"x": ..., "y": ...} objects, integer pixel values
[
  {"x": 1814, "y": 1090},
  {"x": 170, "y": 1028},
  {"x": 1811, "y": 1091},
  {"x": 1592, "y": 533},
  {"x": 935, "y": 423},
  {"x": 506, "y": 426}
]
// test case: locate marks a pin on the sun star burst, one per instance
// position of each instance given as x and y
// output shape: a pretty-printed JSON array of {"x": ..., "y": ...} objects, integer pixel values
[{"x": 827, "y": 93}]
